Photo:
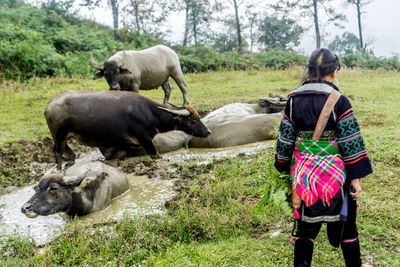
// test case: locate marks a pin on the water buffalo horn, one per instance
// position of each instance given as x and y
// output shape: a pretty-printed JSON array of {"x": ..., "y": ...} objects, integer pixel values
[
  {"x": 97, "y": 65},
  {"x": 70, "y": 180},
  {"x": 193, "y": 111},
  {"x": 176, "y": 106},
  {"x": 183, "y": 112}
]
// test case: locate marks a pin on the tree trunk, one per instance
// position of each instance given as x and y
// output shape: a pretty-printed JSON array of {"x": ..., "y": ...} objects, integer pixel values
[
  {"x": 252, "y": 22},
  {"x": 195, "y": 32},
  {"x": 317, "y": 33},
  {"x": 240, "y": 45},
  {"x": 251, "y": 38},
  {"x": 195, "y": 19},
  {"x": 359, "y": 25},
  {"x": 185, "y": 35},
  {"x": 114, "y": 7},
  {"x": 135, "y": 6}
]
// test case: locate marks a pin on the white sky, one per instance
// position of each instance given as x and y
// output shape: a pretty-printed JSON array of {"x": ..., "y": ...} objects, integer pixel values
[{"x": 380, "y": 26}]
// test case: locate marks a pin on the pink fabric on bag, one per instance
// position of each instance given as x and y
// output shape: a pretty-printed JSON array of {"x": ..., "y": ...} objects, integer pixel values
[{"x": 317, "y": 176}]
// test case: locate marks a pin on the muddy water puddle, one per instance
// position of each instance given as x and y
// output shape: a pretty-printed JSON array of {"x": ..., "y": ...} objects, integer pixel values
[
  {"x": 145, "y": 197},
  {"x": 207, "y": 155}
]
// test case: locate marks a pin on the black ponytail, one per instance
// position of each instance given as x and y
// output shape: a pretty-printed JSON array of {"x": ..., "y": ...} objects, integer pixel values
[{"x": 322, "y": 62}]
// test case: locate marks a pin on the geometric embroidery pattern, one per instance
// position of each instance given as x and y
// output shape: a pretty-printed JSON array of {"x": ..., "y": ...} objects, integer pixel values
[
  {"x": 285, "y": 143},
  {"x": 350, "y": 140}
]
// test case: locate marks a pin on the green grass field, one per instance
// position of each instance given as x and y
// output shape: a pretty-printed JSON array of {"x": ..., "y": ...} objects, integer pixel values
[{"x": 217, "y": 220}]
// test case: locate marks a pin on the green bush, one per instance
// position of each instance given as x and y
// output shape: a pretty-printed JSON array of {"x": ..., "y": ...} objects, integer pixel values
[
  {"x": 41, "y": 42},
  {"x": 279, "y": 59},
  {"x": 368, "y": 61}
]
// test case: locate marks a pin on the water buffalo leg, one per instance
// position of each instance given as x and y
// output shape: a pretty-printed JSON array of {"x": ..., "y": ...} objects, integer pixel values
[
  {"x": 108, "y": 152},
  {"x": 180, "y": 81},
  {"x": 149, "y": 147},
  {"x": 166, "y": 86},
  {"x": 58, "y": 150},
  {"x": 71, "y": 154},
  {"x": 60, "y": 139},
  {"x": 135, "y": 86}
]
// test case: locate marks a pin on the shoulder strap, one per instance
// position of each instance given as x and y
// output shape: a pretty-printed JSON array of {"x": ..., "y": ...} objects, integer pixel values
[{"x": 325, "y": 113}]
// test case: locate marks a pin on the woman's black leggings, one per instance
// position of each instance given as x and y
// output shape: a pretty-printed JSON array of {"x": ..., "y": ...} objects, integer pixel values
[{"x": 339, "y": 233}]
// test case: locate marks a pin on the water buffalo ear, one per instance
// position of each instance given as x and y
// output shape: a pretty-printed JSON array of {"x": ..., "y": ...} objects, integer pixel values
[
  {"x": 124, "y": 71},
  {"x": 98, "y": 75},
  {"x": 85, "y": 182},
  {"x": 183, "y": 112}
]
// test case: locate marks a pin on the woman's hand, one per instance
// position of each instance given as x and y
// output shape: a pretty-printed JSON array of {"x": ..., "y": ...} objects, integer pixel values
[{"x": 355, "y": 189}]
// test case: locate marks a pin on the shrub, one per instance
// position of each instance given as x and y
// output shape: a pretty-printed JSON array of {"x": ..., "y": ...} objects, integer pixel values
[
  {"x": 279, "y": 59},
  {"x": 41, "y": 42}
]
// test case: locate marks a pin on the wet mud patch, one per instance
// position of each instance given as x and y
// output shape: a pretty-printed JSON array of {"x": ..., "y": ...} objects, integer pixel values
[
  {"x": 144, "y": 165},
  {"x": 22, "y": 162}
]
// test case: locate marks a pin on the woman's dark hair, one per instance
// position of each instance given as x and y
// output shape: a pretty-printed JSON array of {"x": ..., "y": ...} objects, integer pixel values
[{"x": 322, "y": 62}]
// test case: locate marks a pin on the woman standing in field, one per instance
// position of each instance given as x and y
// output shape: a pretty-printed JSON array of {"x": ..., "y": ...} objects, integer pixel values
[{"x": 320, "y": 131}]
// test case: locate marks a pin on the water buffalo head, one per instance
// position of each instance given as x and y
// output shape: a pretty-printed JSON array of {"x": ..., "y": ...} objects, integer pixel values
[
  {"x": 53, "y": 194},
  {"x": 189, "y": 121},
  {"x": 110, "y": 70}
]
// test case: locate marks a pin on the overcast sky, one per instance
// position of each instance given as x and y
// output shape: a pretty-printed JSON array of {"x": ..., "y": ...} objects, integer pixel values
[{"x": 380, "y": 26}]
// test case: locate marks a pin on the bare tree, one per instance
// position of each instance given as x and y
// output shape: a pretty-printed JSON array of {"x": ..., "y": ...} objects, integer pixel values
[
  {"x": 145, "y": 15},
  {"x": 236, "y": 4},
  {"x": 187, "y": 23},
  {"x": 115, "y": 13},
  {"x": 311, "y": 8},
  {"x": 359, "y": 5},
  {"x": 253, "y": 21},
  {"x": 198, "y": 15},
  {"x": 114, "y": 4}
]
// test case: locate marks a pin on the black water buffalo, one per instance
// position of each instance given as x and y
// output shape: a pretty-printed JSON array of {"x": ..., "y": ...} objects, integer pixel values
[
  {"x": 147, "y": 69},
  {"x": 113, "y": 121},
  {"x": 86, "y": 188}
]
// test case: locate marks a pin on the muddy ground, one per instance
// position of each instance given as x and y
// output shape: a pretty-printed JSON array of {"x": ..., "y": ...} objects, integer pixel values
[{"x": 24, "y": 163}]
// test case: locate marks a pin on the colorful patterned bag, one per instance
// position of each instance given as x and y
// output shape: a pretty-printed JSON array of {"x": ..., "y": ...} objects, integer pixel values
[{"x": 318, "y": 172}]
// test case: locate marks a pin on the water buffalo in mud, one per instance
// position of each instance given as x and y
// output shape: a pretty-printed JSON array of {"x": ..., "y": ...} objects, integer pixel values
[
  {"x": 239, "y": 124},
  {"x": 143, "y": 70},
  {"x": 85, "y": 188},
  {"x": 113, "y": 121}
]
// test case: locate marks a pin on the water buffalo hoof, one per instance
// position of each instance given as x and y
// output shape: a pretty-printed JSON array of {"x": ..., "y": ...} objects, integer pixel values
[{"x": 156, "y": 156}]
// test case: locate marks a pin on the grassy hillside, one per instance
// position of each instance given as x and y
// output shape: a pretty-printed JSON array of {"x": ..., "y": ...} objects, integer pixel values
[
  {"x": 217, "y": 220},
  {"x": 41, "y": 42}
]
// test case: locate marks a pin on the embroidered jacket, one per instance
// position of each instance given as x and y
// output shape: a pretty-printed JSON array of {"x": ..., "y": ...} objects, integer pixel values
[{"x": 302, "y": 110}]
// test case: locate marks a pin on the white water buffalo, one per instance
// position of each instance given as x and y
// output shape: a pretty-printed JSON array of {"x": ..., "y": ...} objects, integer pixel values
[
  {"x": 85, "y": 188},
  {"x": 114, "y": 121},
  {"x": 143, "y": 70},
  {"x": 237, "y": 124}
]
